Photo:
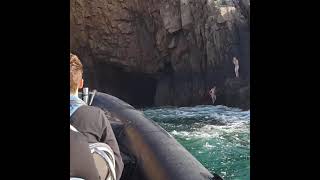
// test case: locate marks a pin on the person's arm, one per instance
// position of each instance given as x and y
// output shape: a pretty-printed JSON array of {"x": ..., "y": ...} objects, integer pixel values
[
  {"x": 81, "y": 161},
  {"x": 109, "y": 138}
]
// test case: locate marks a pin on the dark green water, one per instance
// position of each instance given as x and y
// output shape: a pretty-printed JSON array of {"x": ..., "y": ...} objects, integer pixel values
[{"x": 218, "y": 136}]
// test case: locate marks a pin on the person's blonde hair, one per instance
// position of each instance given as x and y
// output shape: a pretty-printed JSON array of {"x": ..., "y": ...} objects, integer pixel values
[{"x": 76, "y": 71}]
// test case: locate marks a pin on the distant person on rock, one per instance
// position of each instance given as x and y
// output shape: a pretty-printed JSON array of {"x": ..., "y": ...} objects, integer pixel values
[
  {"x": 236, "y": 66},
  {"x": 90, "y": 121},
  {"x": 213, "y": 95}
]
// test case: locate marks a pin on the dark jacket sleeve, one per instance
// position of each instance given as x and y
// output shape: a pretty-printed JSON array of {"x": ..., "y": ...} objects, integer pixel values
[
  {"x": 81, "y": 161},
  {"x": 109, "y": 138}
]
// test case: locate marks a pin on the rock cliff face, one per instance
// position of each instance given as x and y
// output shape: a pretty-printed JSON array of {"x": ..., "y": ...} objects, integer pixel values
[{"x": 161, "y": 52}]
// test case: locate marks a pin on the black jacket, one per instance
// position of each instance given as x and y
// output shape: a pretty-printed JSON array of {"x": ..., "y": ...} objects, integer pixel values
[
  {"x": 81, "y": 161},
  {"x": 93, "y": 124}
]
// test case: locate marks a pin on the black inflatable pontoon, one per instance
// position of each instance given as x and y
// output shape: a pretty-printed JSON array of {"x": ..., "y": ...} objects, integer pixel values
[{"x": 148, "y": 151}]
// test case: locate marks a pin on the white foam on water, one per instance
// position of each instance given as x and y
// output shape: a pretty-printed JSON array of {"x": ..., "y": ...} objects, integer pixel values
[
  {"x": 208, "y": 146},
  {"x": 214, "y": 131},
  {"x": 218, "y": 113},
  {"x": 194, "y": 134}
]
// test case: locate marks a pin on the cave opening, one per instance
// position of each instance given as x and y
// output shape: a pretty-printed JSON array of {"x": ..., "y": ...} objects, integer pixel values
[{"x": 137, "y": 89}]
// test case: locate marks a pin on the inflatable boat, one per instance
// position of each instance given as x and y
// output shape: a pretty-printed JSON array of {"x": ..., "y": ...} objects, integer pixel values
[{"x": 148, "y": 151}]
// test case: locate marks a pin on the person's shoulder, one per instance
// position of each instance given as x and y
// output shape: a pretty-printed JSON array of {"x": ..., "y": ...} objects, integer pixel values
[
  {"x": 89, "y": 111},
  {"x": 92, "y": 109}
]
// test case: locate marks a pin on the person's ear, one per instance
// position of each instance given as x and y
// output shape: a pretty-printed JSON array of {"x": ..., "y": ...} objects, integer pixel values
[{"x": 81, "y": 84}]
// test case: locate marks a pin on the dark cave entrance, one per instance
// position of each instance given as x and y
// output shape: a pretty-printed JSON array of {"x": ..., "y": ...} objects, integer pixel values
[{"x": 137, "y": 89}]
